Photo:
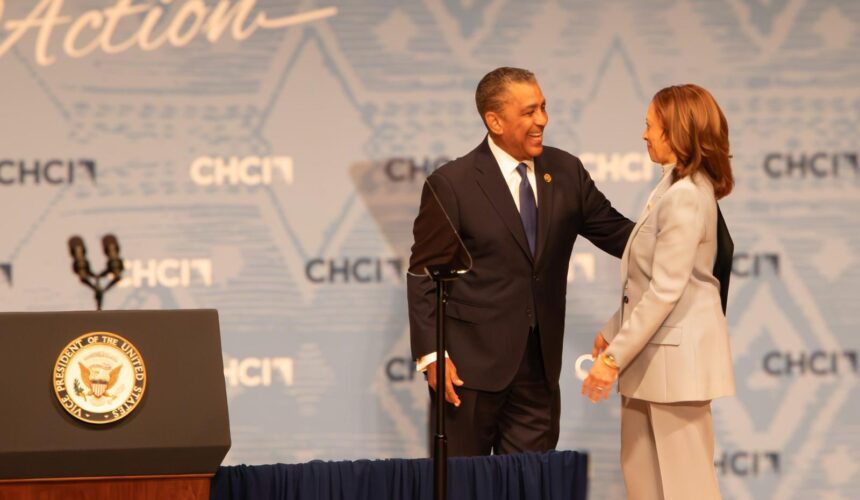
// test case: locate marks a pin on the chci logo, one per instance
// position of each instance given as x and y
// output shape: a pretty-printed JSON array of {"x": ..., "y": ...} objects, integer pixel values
[{"x": 99, "y": 377}]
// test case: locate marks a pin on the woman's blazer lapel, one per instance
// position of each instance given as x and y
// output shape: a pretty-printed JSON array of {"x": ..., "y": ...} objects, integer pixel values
[{"x": 659, "y": 191}]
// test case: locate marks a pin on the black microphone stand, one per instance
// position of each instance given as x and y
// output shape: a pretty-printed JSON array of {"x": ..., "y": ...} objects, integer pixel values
[
  {"x": 441, "y": 275},
  {"x": 99, "y": 290}
]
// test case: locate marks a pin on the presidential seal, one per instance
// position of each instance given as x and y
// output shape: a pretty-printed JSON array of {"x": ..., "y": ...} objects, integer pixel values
[{"x": 99, "y": 377}]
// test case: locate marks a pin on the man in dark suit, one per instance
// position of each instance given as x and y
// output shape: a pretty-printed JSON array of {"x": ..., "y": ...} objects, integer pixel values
[{"x": 518, "y": 207}]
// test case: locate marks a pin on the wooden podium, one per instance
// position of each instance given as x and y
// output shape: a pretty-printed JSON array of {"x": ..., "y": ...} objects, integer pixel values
[
  {"x": 109, "y": 488},
  {"x": 169, "y": 446}
]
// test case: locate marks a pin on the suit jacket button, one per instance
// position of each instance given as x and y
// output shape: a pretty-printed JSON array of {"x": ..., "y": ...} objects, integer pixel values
[{"x": 626, "y": 299}]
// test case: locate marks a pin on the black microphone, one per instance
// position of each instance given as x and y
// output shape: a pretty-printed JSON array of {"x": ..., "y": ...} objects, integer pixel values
[
  {"x": 80, "y": 266},
  {"x": 111, "y": 248}
]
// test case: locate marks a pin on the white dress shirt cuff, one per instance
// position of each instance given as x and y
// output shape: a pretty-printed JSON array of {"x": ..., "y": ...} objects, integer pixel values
[{"x": 425, "y": 360}]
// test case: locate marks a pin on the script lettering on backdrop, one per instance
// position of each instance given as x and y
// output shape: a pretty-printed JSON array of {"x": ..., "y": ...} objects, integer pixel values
[{"x": 94, "y": 29}]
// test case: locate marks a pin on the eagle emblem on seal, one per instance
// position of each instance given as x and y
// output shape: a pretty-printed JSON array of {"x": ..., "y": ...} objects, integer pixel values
[{"x": 99, "y": 378}]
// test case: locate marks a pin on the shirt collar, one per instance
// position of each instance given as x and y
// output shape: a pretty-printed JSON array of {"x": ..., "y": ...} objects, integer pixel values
[
  {"x": 506, "y": 162},
  {"x": 667, "y": 167}
]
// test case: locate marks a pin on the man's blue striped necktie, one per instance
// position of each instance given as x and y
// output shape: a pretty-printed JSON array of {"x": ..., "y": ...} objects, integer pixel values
[{"x": 528, "y": 207}]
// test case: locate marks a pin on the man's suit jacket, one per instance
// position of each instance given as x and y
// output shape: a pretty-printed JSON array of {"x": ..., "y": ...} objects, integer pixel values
[
  {"x": 670, "y": 335},
  {"x": 725, "y": 258},
  {"x": 490, "y": 309}
]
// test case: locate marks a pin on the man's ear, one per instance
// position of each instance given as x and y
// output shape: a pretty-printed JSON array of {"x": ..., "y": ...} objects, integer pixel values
[{"x": 494, "y": 122}]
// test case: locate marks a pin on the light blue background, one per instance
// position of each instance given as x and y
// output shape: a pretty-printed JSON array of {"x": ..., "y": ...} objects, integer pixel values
[{"x": 379, "y": 80}]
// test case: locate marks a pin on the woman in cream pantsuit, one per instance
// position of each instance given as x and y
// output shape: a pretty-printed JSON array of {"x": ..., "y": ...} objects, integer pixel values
[{"x": 669, "y": 338}]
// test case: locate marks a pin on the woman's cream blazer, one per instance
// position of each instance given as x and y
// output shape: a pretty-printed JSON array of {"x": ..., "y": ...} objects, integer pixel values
[{"x": 669, "y": 336}]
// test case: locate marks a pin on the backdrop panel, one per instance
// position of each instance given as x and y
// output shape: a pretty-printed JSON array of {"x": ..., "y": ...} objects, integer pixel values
[{"x": 265, "y": 159}]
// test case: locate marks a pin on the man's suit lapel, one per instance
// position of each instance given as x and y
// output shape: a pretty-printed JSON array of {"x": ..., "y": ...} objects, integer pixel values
[
  {"x": 543, "y": 179},
  {"x": 491, "y": 182}
]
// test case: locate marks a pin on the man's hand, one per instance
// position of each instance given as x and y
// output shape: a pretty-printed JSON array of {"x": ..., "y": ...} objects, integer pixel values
[
  {"x": 451, "y": 379},
  {"x": 600, "y": 345}
]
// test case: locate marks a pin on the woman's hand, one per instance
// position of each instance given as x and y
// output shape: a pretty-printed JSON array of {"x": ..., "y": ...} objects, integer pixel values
[{"x": 599, "y": 380}]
